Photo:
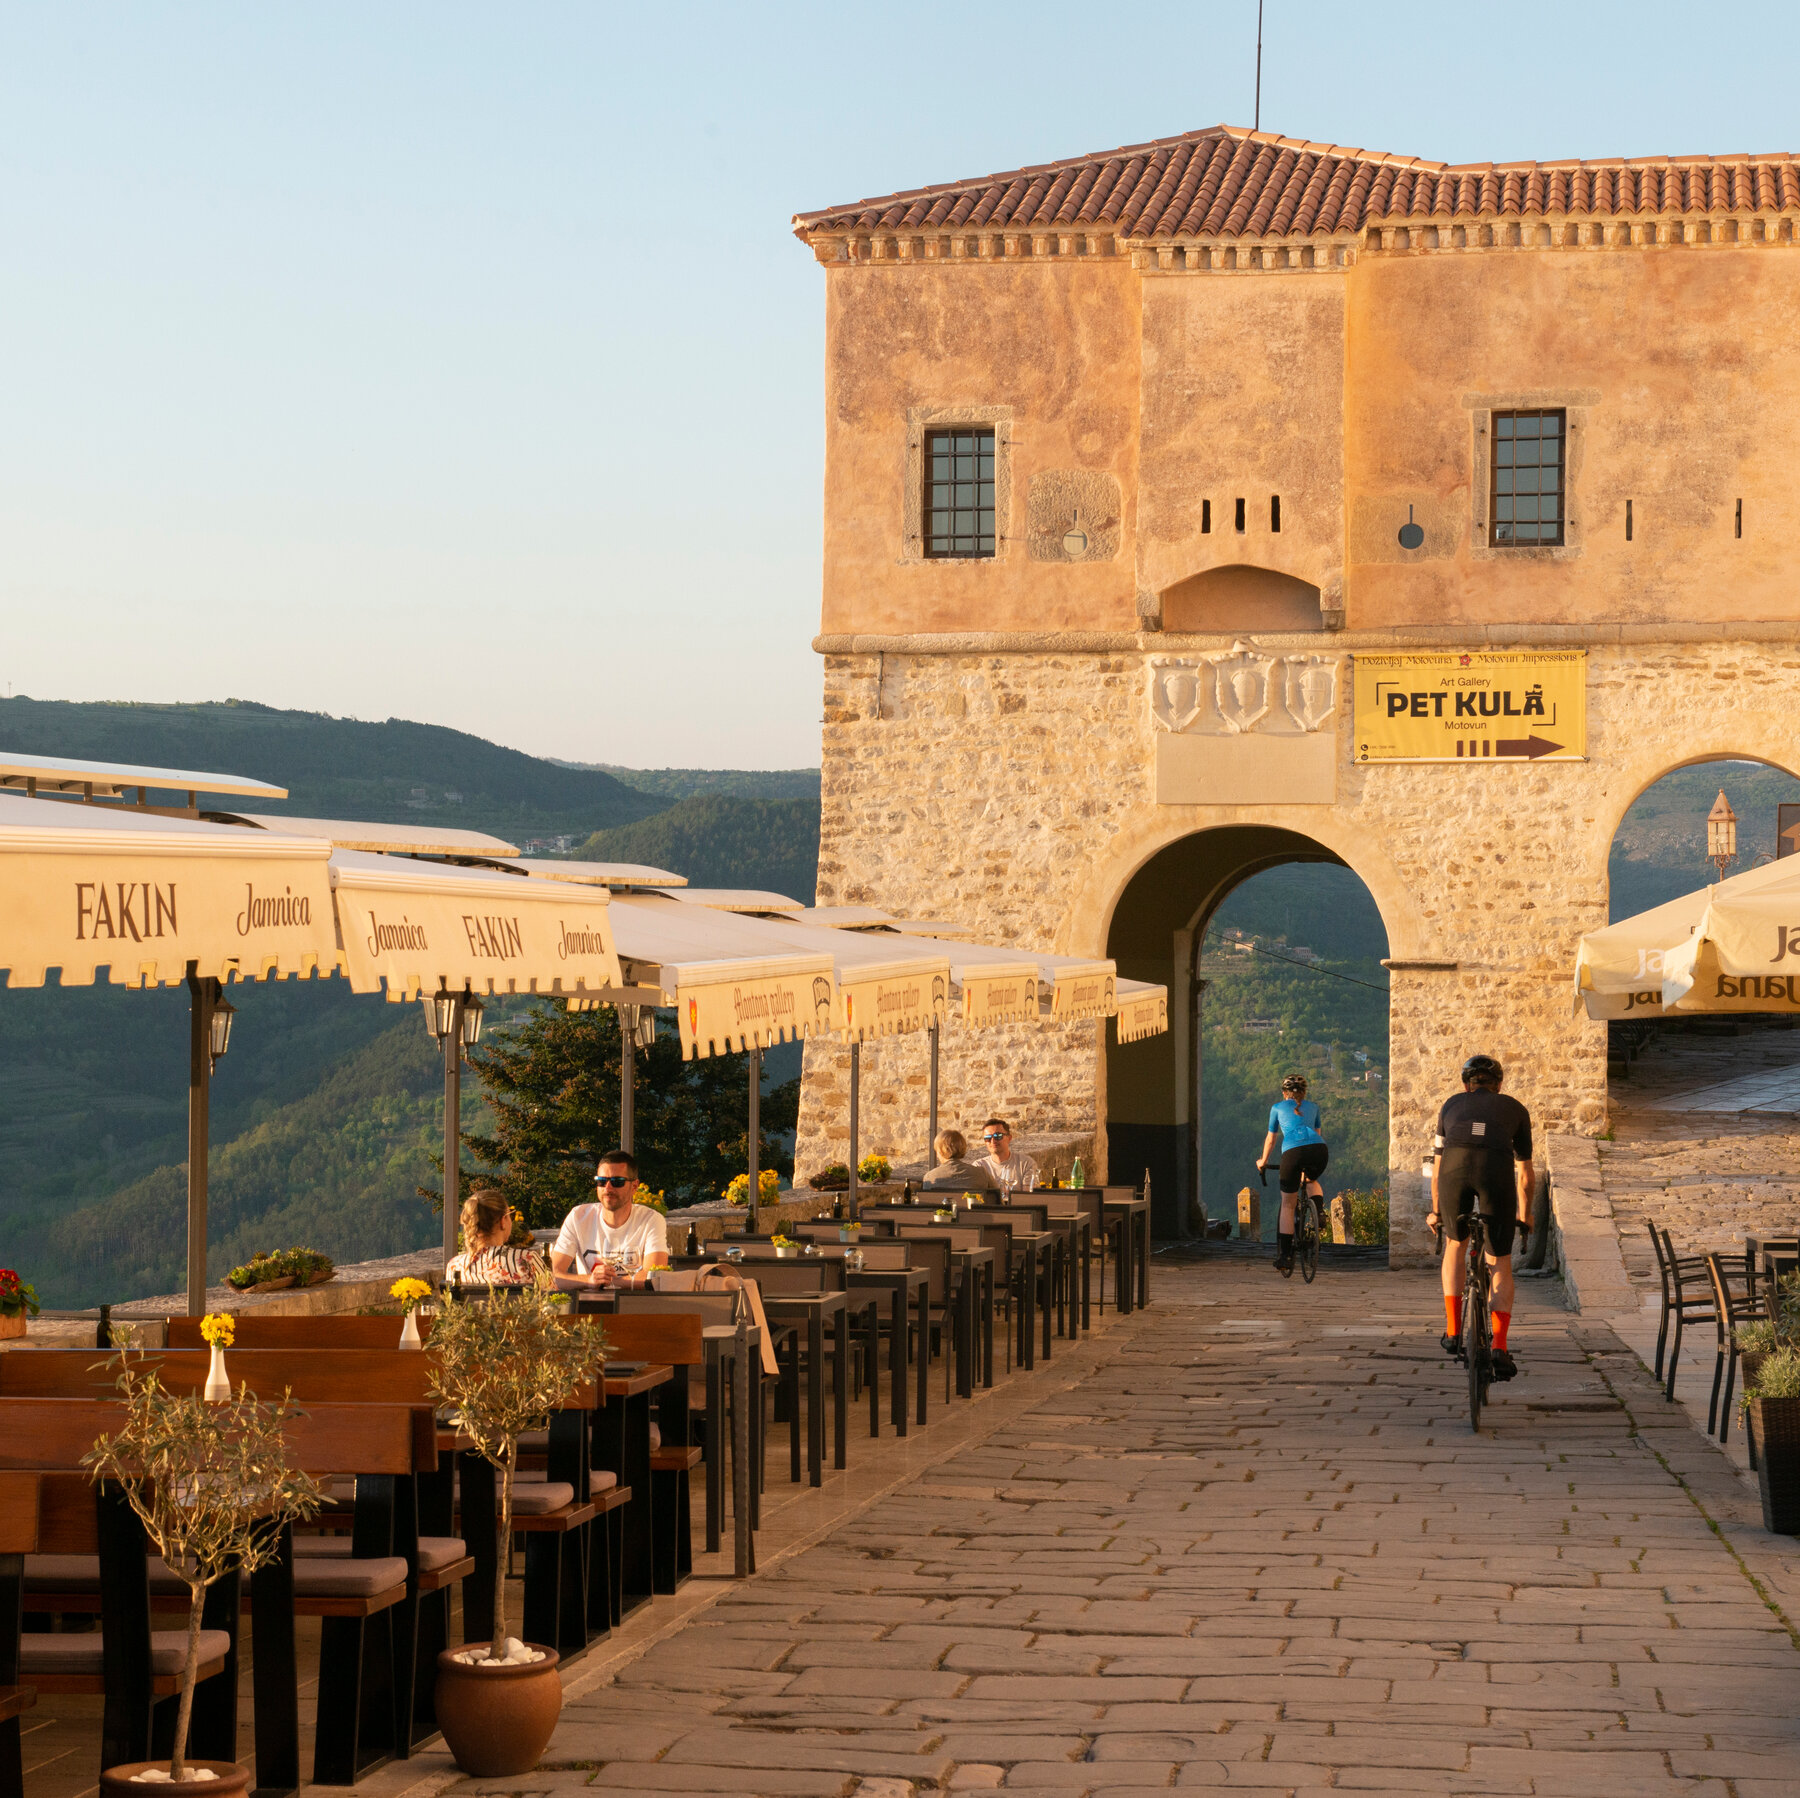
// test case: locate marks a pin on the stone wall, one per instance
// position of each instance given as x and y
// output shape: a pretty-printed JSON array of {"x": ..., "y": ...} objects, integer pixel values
[{"x": 1013, "y": 791}]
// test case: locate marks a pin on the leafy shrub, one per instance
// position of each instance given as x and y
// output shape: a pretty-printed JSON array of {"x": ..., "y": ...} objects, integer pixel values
[
  {"x": 1368, "y": 1215},
  {"x": 304, "y": 1266},
  {"x": 835, "y": 1178},
  {"x": 1777, "y": 1377}
]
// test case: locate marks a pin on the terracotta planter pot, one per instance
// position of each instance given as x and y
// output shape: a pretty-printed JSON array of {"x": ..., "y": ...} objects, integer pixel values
[
  {"x": 12, "y": 1326},
  {"x": 232, "y": 1779},
  {"x": 496, "y": 1720}
]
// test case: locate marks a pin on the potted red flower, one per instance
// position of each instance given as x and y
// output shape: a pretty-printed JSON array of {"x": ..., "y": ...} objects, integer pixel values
[{"x": 18, "y": 1301}]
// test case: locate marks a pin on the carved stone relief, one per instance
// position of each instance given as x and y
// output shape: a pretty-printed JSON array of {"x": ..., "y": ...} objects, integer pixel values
[{"x": 1244, "y": 691}]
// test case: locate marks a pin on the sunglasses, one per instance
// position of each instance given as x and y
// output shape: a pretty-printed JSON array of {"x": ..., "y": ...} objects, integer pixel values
[
  {"x": 614, "y": 1179},
  {"x": 996, "y": 1137}
]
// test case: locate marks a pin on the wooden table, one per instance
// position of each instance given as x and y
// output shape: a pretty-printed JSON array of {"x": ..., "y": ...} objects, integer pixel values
[
  {"x": 1776, "y": 1253},
  {"x": 1131, "y": 1280},
  {"x": 901, "y": 1285},
  {"x": 809, "y": 1310}
]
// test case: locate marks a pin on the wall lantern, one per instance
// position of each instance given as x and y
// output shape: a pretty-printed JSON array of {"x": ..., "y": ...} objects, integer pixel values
[
  {"x": 1721, "y": 834},
  {"x": 223, "y": 1011},
  {"x": 471, "y": 1020}
]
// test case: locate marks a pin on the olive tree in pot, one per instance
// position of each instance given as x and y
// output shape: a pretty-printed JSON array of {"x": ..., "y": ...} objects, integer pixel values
[
  {"x": 210, "y": 1482},
  {"x": 504, "y": 1365}
]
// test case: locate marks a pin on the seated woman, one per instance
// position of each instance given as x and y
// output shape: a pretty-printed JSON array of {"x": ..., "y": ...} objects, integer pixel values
[
  {"x": 487, "y": 1259},
  {"x": 954, "y": 1171}
]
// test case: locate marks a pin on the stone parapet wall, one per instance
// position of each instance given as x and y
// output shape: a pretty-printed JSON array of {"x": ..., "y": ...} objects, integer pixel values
[{"x": 1014, "y": 793}]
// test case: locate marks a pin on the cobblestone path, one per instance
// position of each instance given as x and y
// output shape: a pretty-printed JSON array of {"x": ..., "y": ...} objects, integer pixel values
[{"x": 1256, "y": 1547}]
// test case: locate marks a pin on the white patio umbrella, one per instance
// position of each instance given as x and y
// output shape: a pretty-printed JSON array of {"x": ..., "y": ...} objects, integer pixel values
[{"x": 1720, "y": 948}]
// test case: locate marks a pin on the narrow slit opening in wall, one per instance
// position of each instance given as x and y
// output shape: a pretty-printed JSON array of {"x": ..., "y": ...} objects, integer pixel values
[
  {"x": 1738, "y": 530},
  {"x": 1275, "y": 512},
  {"x": 1628, "y": 521},
  {"x": 1206, "y": 518},
  {"x": 1240, "y": 515}
]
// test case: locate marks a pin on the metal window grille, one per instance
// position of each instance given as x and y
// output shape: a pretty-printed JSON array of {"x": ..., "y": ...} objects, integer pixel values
[
  {"x": 959, "y": 493},
  {"x": 1526, "y": 504}
]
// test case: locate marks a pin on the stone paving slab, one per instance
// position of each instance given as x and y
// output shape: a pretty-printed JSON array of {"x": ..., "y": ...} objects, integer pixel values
[{"x": 1270, "y": 1561}]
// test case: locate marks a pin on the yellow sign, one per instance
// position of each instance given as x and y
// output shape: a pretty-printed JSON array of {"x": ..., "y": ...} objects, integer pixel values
[{"x": 1472, "y": 705}]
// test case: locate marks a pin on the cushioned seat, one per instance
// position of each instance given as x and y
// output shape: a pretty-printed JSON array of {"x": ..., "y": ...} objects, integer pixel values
[
  {"x": 656, "y": 1435},
  {"x": 534, "y": 1439},
  {"x": 48, "y": 1656},
  {"x": 81, "y": 1573},
  {"x": 434, "y": 1551},
  {"x": 335, "y": 1576},
  {"x": 537, "y": 1498},
  {"x": 601, "y": 1482}
]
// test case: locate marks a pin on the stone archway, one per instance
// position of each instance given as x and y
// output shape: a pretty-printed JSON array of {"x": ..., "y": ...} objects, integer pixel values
[{"x": 1151, "y": 1103}]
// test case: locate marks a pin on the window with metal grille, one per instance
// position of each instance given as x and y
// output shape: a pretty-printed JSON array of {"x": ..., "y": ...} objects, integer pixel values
[
  {"x": 1526, "y": 503},
  {"x": 959, "y": 493}
]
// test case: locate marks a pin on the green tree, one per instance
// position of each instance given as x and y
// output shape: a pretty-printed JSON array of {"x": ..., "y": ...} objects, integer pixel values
[{"x": 551, "y": 1080}]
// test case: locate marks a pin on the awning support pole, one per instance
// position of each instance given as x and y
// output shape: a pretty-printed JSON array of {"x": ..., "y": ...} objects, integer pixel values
[
  {"x": 932, "y": 1136},
  {"x": 855, "y": 1093},
  {"x": 452, "y": 1128},
  {"x": 755, "y": 1128},
  {"x": 202, "y": 994},
  {"x": 628, "y": 1015}
]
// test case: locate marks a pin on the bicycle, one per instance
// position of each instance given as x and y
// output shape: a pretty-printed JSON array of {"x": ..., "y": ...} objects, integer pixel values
[
  {"x": 1308, "y": 1227},
  {"x": 1478, "y": 1320}
]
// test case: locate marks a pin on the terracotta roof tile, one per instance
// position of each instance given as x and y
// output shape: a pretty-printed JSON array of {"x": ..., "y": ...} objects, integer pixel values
[{"x": 1227, "y": 182}]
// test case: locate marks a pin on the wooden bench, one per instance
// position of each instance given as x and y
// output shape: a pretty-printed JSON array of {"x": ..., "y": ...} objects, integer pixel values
[
  {"x": 335, "y": 1332},
  {"x": 678, "y": 1340},
  {"x": 368, "y": 1670}
]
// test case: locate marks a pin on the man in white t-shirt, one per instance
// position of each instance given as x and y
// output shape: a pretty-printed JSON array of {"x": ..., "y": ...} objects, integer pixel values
[
  {"x": 1013, "y": 1170},
  {"x": 593, "y": 1237}
]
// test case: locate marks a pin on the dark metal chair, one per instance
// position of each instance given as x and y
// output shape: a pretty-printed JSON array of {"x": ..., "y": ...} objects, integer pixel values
[
  {"x": 1731, "y": 1308},
  {"x": 1687, "y": 1298}
]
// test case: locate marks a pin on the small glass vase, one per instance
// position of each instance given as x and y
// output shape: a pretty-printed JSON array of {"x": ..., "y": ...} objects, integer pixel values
[
  {"x": 218, "y": 1381},
  {"x": 409, "y": 1332}
]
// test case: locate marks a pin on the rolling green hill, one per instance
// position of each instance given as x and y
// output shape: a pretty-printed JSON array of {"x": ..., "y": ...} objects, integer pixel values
[
  {"x": 771, "y": 844},
  {"x": 393, "y": 772},
  {"x": 671, "y": 784}
]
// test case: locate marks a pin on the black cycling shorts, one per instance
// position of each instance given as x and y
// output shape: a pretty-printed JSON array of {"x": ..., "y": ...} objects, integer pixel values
[
  {"x": 1304, "y": 1163},
  {"x": 1471, "y": 1177}
]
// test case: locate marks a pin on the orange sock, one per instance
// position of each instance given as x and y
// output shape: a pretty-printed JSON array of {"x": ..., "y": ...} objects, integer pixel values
[
  {"x": 1501, "y": 1320},
  {"x": 1453, "y": 1313}
]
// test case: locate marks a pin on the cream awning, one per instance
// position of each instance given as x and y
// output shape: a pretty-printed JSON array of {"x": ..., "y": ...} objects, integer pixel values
[
  {"x": 1143, "y": 1010},
  {"x": 733, "y": 985},
  {"x": 389, "y": 839},
  {"x": 1693, "y": 953},
  {"x": 416, "y": 926},
  {"x": 31, "y": 774},
  {"x": 599, "y": 874},
  {"x": 87, "y": 887},
  {"x": 997, "y": 992},
  {"x": 736, "y": 899}
]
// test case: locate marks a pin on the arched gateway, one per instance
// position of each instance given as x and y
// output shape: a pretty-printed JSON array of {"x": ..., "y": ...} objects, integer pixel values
[{"x": 1548, "y": 566}]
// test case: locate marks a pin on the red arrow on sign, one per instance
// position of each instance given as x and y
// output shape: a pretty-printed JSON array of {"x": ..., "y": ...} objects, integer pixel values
[{"x": 1531, "y": 747}]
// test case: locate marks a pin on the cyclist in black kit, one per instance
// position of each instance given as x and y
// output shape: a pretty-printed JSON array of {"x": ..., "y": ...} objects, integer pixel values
[{"x": 1481, "y": 1133}]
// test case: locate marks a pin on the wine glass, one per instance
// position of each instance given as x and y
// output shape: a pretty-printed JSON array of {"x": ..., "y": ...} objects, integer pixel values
[{"x": 627, "y": 1263}]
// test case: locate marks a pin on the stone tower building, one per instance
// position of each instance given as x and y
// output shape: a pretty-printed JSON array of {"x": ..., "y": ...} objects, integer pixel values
[{"x": 1138, "y": 465}]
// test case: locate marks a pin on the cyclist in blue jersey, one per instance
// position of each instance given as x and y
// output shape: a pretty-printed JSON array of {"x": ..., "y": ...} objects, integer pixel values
[{"x": 1294, "y": 1129}]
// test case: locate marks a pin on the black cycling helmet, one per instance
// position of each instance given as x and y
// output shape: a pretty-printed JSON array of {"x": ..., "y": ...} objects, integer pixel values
[
  {"x": 1294, "y": 1083},
  {"x": 1483, "y": 1070}
]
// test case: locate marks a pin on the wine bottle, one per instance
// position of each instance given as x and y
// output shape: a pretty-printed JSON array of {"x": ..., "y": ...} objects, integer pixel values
[
  {"x": 837, "y": 1208},
  {"x": 906, "y": 1193},
  {"x": 693, "y": 1242}
]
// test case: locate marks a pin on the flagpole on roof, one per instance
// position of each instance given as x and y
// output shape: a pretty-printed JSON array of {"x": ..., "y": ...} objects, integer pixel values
[{"x": 1256, "y": 122}]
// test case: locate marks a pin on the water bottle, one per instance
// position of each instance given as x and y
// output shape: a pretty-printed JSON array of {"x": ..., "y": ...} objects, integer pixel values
[{"x": 1075, "y": 1174}]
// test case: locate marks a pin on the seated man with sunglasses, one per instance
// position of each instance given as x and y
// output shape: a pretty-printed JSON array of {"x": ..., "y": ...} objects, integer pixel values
[
  {"x": 1013, "y": 1170},
  {"x": 596, "y": 1239}
]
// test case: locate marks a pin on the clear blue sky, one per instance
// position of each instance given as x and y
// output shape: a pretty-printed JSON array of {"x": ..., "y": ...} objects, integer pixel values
[{"x": 456, "y": 363}]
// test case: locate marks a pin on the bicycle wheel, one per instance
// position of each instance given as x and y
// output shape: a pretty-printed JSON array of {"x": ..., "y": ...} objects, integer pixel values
[
  {"x": 1478, "y": 1329},
  {"x": 1306, "y": 1237}
]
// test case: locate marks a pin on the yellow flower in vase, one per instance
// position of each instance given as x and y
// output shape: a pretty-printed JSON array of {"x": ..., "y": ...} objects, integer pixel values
[
  {"x": 410, "y": 1292},
  {"x": 219, "y": 1329}
]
